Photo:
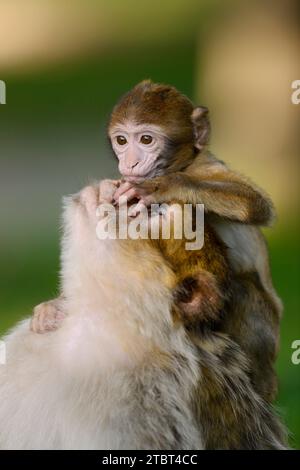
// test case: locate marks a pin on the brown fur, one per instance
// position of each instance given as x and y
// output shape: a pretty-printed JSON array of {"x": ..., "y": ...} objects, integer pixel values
[
  {"x": 252, "y": 321},
  {"x": 202, "y": 278},
  {"x": 231, "y": 401},
  {"x": 231, "y": 413},
  {"x": 228, "y": 327}
]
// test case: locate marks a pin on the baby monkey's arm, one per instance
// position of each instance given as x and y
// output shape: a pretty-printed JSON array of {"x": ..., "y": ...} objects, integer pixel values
[{"x": 223, "y": 192}]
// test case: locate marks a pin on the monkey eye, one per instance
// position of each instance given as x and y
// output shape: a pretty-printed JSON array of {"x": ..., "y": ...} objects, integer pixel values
[
  {"x": 146, "y": 139},
  {"x": 121, "y": 140}
]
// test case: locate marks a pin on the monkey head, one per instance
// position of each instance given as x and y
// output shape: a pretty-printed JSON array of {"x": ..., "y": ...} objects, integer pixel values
[{"x": 154, "y": 130}]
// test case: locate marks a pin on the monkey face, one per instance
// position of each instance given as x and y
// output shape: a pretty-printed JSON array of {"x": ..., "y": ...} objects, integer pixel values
[
  {"x": 155, "y": 129},
  {"x": 138, "y": 148}
]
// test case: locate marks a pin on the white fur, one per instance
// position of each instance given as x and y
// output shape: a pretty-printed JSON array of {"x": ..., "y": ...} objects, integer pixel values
[{"x": 97, "y": 382}]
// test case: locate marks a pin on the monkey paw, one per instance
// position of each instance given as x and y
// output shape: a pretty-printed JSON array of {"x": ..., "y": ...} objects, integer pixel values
[
  {"x": 130, "y": 191},
  {"x": 89, "y": 199},
  {"x": 92, "y": 196},
  {"x": 107, "y": 189},
  {"x": 46, "y": 317}
]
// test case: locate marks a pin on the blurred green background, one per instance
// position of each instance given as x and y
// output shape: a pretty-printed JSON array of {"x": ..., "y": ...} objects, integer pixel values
[{"x": 66, "y": 64}]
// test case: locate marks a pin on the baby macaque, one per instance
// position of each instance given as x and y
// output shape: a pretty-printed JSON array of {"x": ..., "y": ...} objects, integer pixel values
[
  {"x": 122, "y": 371},
  {"x": 160, "y": 140}
]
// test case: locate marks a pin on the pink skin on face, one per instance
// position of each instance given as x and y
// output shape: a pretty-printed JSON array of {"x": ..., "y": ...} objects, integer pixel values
[{"x": 137, "y": 148}]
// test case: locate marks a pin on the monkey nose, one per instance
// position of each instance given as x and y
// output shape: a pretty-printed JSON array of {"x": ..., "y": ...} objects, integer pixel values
[{"x": 134, "y": 165}]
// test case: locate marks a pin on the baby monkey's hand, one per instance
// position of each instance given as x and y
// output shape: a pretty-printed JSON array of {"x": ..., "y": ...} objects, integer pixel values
[
  {"x": 143, "y": 191},
  {"x": 47, "y": 316},
  {"x": 107, "y": 190}
]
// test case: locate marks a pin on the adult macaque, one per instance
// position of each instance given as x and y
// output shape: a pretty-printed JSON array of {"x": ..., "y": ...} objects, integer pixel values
[
  {"x": 122, "y": 372},
  {"x": 160, "y": 140}
]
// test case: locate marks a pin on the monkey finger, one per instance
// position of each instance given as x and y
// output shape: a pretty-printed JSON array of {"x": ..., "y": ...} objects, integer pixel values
[
  {"x": 148, "y": 200},
  {"x": 116, "y": 182},
  {"x": 128, "y": 195},
  {"x": 107, "y": 189},
  {"x": 123, "y": 187},
  {"x": 136, "y": 209},
  {"x": 34, "y": 325},
  {"x": 89, "y": 197}
]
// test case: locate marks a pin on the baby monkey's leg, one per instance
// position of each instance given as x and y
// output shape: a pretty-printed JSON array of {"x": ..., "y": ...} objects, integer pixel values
[{"x": 48, "y": 316}]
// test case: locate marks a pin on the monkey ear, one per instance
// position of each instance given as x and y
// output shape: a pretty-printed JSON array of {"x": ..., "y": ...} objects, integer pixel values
[
  {"x": 198, "y": 298},
  {"x": 201, "y": 127}
]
